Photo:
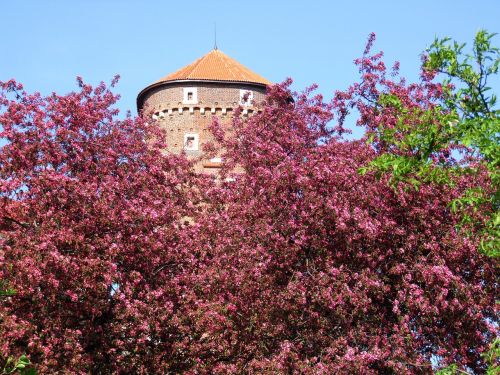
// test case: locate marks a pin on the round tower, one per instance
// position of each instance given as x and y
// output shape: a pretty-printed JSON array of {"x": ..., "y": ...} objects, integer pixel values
[{"x": 185, "y": 102}]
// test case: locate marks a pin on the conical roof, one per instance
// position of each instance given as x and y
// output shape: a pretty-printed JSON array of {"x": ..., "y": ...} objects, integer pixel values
[{"x": 216, "y": 66}]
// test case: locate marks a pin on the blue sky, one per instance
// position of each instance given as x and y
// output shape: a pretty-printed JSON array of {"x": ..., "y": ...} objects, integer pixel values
[{"x": 46, "y": 44}]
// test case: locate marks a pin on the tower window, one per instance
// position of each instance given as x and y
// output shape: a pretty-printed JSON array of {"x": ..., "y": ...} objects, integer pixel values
[
  {"x": 191, "y": 142},
  {"x": 190, "y": 95},
  {"x": 246, "y": 97}
]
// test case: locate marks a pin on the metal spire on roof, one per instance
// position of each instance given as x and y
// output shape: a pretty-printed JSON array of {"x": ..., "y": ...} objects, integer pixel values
[{"x": 215, "y": 35}]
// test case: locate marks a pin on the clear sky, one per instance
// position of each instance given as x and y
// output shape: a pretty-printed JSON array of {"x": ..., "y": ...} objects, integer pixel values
[{"x": 46, "y": 44}]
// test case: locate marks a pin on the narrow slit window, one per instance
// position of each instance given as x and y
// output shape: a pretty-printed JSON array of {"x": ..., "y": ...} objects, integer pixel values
[{"x": 190, "y": 95}]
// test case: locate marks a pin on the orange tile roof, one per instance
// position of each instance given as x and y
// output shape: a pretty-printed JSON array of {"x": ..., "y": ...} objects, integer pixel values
[{"x": 216, "y": 66}]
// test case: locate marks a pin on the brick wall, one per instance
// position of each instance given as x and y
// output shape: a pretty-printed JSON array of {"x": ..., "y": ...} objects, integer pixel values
[
  {"x": 178, "y": 119},
  {"x": 209, "y": 95}
]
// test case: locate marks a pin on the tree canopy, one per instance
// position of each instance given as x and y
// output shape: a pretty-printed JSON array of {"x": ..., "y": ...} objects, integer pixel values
[{"x": 306, "y": 255}]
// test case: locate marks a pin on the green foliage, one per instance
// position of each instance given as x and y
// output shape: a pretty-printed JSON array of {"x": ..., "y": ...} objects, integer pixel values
[
  {"x": 471, "y": 98},
  {"x": 450, "y": 370},
  {"x": 492, "y": 358},
  {"x": 478, "y": 125},
  {"x": 21, "y": 366},
  {"x": 5, "y": 290}
]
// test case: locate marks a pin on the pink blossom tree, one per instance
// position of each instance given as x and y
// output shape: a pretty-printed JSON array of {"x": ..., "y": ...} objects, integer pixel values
[
  {"x": 309, "y": 266},
  {"x": 90, "y": 211},
  {"x": 117, "y": 258}
]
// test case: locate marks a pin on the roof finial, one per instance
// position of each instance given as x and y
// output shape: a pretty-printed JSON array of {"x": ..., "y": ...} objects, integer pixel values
[{"x": 215, "y": 35}]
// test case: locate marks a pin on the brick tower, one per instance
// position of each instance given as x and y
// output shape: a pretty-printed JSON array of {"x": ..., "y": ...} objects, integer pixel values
[{"x": 185, "y": 101}]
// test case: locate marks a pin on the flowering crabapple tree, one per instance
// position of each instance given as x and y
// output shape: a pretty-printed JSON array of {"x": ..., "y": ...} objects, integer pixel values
[
  {"x": 311, "y": 267},
  {"x": 117, "y": 258},
  {"x": 90, "y": 209}
]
